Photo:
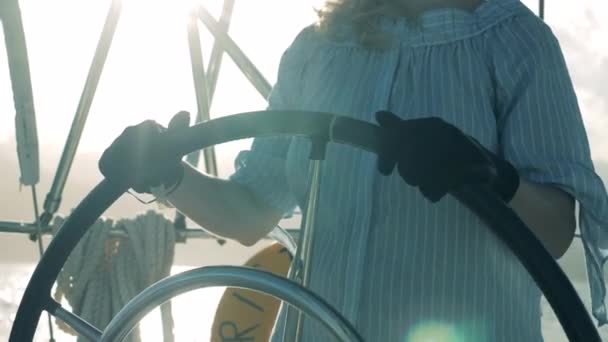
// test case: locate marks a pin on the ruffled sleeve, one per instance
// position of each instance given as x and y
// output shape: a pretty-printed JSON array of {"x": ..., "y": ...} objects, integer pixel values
[
  {"x": 542, "y": 132},
  {"x": 262, "y": 167}
]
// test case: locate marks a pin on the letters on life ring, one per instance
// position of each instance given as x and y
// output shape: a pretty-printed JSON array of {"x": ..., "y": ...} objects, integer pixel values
[{"x": 249, "y": 316}]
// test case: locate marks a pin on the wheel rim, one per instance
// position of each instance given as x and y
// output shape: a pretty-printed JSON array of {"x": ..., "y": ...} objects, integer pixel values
[
  {"x": 230, "y": 276},
  {"x": 552, "y": 281}
]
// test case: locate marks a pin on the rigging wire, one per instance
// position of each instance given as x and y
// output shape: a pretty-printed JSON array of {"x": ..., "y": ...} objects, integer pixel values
[
  {"x": 41, "y": 250},
  {"x": 541, "y": 9}
]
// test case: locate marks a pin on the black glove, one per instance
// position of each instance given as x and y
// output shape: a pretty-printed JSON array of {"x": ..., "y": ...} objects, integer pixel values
[
  {"x": 141, "y": 158},
  {"x": 437, "y": 157}
]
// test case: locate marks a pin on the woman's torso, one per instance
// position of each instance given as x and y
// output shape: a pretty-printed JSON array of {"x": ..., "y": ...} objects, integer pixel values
[{"x": 389, "y": 260}]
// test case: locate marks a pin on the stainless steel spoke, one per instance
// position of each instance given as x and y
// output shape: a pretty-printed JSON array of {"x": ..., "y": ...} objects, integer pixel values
[{"x": 79, "y": 325}]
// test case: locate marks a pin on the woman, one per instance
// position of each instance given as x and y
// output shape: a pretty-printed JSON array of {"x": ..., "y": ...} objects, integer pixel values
[{"x": 401, "y": 260}]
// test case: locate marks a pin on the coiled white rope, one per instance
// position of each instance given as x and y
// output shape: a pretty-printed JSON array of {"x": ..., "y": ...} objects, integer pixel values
[{"x": 103, "y": 273}]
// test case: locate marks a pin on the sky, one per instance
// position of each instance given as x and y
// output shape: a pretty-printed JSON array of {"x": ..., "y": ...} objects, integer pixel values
[{"x": 148, "y": 76}]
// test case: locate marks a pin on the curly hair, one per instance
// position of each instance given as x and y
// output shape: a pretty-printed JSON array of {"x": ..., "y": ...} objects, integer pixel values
[{"x": 361, "y": 15}]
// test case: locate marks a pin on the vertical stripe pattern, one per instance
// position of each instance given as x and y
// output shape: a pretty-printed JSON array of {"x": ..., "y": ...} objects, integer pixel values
[{"x": 394, "y": 264}]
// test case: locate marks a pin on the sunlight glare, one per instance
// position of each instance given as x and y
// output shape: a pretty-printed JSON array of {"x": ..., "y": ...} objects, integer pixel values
[
  {"x": 438, "y": 331},
  {"x": 434, "y": 332},
  {"x": 181, "y": 7}
]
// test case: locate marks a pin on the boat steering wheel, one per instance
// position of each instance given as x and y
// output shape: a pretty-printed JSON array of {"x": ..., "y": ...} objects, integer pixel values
[{"x": 327, "y": 127}]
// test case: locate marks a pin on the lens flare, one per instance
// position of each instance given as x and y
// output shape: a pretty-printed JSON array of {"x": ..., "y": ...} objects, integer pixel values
[{"x": 435, "y": 331}]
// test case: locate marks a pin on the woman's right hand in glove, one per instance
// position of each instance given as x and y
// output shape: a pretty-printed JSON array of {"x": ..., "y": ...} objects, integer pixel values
[{"x": 142, "y": 159}]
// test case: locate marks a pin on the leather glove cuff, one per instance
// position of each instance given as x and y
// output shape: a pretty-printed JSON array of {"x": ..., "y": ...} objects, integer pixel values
[{"x": 162, "y": 192}]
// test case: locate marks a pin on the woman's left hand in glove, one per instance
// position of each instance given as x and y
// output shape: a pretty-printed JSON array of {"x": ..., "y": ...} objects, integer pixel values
[{"x": 437, "y": 157}]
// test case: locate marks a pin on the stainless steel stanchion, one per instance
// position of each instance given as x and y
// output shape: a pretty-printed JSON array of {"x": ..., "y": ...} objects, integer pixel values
[{"x": 302, "y": 263}]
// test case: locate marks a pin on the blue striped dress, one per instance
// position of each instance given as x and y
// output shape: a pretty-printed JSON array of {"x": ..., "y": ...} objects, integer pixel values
[{"x": 397, "y": 266}]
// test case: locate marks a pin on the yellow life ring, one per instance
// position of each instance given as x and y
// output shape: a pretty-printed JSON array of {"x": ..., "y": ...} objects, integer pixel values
[{"x": 245, "y": 315}]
